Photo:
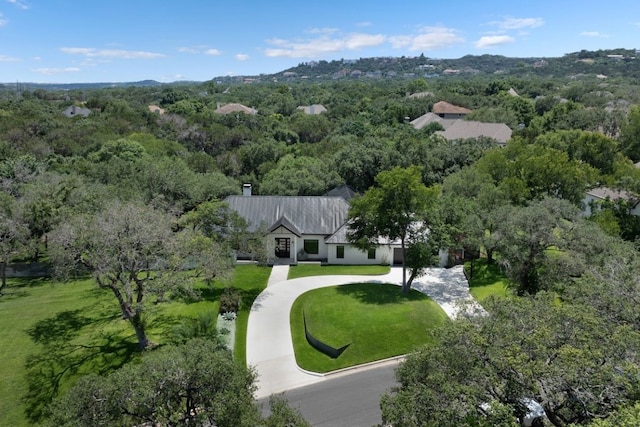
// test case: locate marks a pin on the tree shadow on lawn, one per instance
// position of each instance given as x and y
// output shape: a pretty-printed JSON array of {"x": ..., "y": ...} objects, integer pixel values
[
  {"x": 378, "y": 293},
  {"x": 61, "y": 358},
  {"x": 16, "y": 287},
  {"x": 485, "y": 274}
]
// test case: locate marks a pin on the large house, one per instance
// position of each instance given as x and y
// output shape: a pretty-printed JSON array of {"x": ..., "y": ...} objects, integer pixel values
[
  {"x": 234, "y": 108},
  {"x": 464, "y": 129},
  {"x": 309, "y": 228}
]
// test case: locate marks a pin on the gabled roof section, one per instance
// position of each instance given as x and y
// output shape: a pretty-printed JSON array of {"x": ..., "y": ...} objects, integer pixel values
[
  {"x": 343, "y": 191},
  {"x": 284, "y": 222},
  {"x": 604, "y": 193},
  {"x": 234, "y": 108},
  {"x": 465, "y": 129},
  {"x": 444, "y": 107},
  {"x": 426, "y": 119},
  {"x": 321, "y": 215}
]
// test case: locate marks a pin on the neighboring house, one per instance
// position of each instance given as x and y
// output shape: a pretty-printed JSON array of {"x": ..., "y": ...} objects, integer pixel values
[
  {"x": 75, "y": 111},
  {"x": 449, "y": 111},
  {"x": 426, "y": 119},
  {"x": 234, "y": 108},
  {"x": 465, "y": 129},
  {"x": 313, "y": 109},
  {"x": 308, "y": 228},
  {"x": 595, "y": 197},
  {"x": 156, "y": 109},
  {"x": 418, "y": 95}
]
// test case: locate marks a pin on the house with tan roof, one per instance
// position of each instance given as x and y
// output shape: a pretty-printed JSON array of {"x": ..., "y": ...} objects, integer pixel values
[
  {"x": 156, "y": 109},
  {"x": 234, "y": 108},
  {"x": 313, "y": 109},
  {"x": 449, "y": 111},
  {"x": 466, "y": 129}
]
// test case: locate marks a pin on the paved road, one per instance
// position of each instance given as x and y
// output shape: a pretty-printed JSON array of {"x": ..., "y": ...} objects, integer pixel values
[{"x": 344, "y": 400}]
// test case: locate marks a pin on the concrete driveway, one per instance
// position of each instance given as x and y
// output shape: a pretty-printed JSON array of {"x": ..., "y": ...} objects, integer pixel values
[{"x": 269, "y": 343}]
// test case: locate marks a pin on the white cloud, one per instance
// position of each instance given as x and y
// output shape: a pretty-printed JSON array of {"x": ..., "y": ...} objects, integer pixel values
[
  {"x": 487, "y": 42},
  {"x": 429, "y": 38},
  {"x": 50, "y": 71},
  {"x": 110, "y": 53},
  {"x": 363, "y": 24},
  {"x": 242, "y": 56},
  {"x": 4, "y": 58},
  {"x": 321, "y": 30},
  {"x": 188, "y": 50},
  {"x": 19, "y": 3},
  {"x": 594, "y": 34},
  {"x": 312, "y": 48},
  {"x": 3, "y": 21},
  {"x": 212, "y": 52},
  {"x": 518, "y": 23}
]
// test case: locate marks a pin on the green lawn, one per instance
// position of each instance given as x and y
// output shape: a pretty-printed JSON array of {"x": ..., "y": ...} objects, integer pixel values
[
  {"x": 306, "y": 270},
  {"x": 487, "y": 280},
  {"x": 51, "y": 333},
  {"x": 376, "y": 319}
]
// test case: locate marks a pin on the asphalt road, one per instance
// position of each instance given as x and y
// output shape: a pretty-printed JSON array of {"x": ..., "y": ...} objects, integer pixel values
[{"x": 351, "y": 399}]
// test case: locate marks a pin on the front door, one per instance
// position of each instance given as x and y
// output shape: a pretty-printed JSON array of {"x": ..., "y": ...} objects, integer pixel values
[
  {"x": 398, "y": 256},
  {"x": 283, "y": 247}
]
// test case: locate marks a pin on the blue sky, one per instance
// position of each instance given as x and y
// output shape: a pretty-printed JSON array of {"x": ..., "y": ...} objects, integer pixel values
[{"x": 117, "y": 41}]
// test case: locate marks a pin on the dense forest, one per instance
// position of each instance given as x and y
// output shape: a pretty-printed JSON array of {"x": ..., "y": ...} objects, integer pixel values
[{"x": 75, "y": 160}]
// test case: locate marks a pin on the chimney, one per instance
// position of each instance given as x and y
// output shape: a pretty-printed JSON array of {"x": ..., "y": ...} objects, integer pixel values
[{"x": 246, "y": 190}]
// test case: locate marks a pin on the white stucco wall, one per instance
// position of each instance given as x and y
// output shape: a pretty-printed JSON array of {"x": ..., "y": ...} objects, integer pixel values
[
  {"x": 384, "y": 255},
  {"x": 322, "y": 246}
]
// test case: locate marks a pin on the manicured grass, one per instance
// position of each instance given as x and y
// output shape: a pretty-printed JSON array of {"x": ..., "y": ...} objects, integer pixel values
[
  {"x": 306, "y": 270},
  {"x": 65, "y": 330},
  {"x": 36, "y": 316},
  {"x": 487, "y": 280},
  {"x": 376, "y": 319}
]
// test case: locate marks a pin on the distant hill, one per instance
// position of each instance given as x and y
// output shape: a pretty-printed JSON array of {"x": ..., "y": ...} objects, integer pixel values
[
  {"x": 75, "y": 86},
  {"x": 603, "y": 63},
  {"x": 610, "y": 63}
]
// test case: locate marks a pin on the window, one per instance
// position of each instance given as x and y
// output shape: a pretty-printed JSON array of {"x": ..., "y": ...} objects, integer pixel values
[
  {"x": 371, "y": 254},
  {"x": 311, "y": 247},
  {"x": 339, "y": 251}
]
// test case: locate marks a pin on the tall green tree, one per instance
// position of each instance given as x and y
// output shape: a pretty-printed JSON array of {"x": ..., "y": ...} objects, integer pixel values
[
  {"x": 394, "y": 209},
  {"x": 195, "y": 384},
  {"x": 525, "y": 237},
  {"x": 14, "y": 235},
  {"x": 131, "y": 250},
  {"x": 630, "y": 134},
  {"x": 574, "y": 363}
]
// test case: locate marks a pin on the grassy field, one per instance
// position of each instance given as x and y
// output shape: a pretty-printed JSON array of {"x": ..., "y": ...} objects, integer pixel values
[
  {"x": 377, "y": 320},
  {"x": 306, "y": 270},
  {"x": 487, "y": 280},
  {"x": 51, "y": 333}
]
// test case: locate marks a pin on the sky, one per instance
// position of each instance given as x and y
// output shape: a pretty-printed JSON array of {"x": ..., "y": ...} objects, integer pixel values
[{"x": 85, "y": 41}]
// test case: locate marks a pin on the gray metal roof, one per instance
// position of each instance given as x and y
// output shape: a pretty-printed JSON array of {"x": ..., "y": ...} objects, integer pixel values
[{"x": 308, "y": 214}]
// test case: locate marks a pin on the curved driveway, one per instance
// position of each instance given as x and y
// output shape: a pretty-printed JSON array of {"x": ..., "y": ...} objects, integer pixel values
[{"x": 269, "y": 343}]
